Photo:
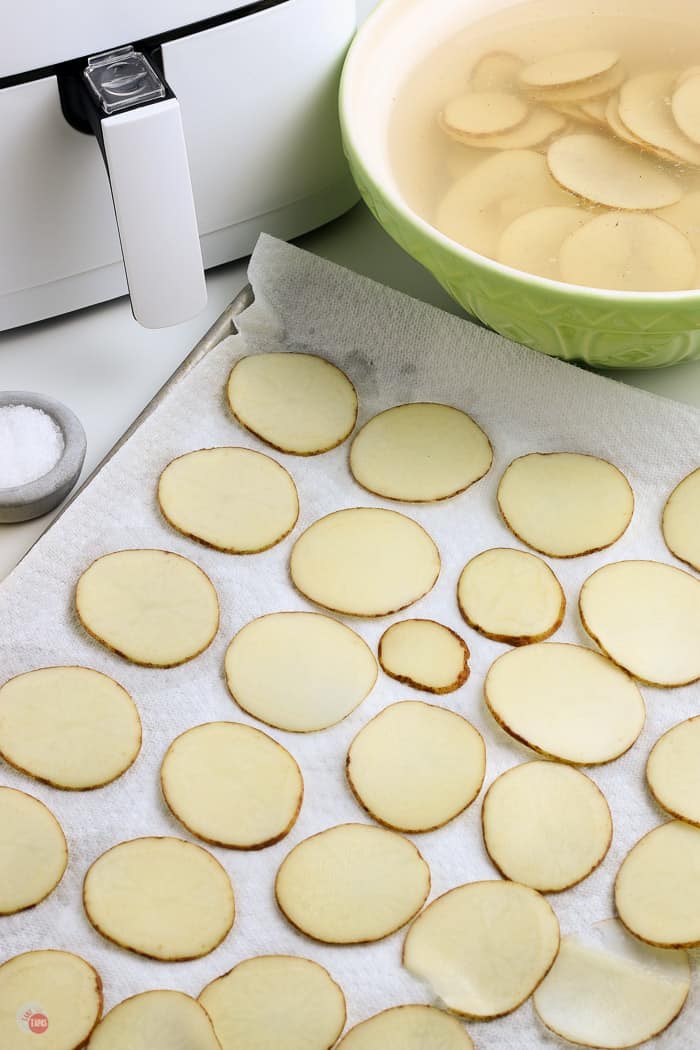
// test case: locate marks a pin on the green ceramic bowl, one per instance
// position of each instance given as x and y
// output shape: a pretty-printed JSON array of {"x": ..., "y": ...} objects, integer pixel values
[{"x": 601, "y": 328}]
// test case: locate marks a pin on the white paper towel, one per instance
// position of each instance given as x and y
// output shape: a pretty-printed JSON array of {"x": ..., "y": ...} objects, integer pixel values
[{"x": 394, "y": 349}]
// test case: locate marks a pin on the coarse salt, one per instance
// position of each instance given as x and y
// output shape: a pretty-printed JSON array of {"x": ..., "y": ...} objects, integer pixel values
[{"x": 31, "y": 443}]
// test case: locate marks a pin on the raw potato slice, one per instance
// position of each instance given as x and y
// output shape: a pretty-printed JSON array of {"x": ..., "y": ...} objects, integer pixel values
[
  {"x": 657, "y": 890},
  {"x": 273, "y": 1002},
  {"x": 72, "y": 727},
  {"x": 232, "y": 785},
  {"x": 483, "y": 113},
  {"x": 352, "y": 884},
  {"x": 539, "y": 126},
  {"x": 612, "y": 116},
  {"x": 681, "y": 519},
  {"x": 685, "y": 106},
  {"x": 608, "y": 990},
  {"x": 645, "y": 108},
  {"x": 425, "y": 655},
  {"x": 153, "y": 607},
  {"x": 420, "y": 453},
  {"x": 297, "y": 403},
  {"x": 496, "y": 71},
  {"x": 533, "y": 241},
  {"x": 33, "y": 851},
  {"x": 484, "y": 947},
  {"x": 596, "y": 87},
  {"x": 364, "y": 562},
  {"x": 414, "y": 767},
  {"x": 570, "y": 67},
  {"x": 159, "y": 1020},
  {"x": 124, "y": 899},
  {"x": 603, "y": 171},
  {"x": 233, "y": 499},
  {"x": 566, "y": 702},
  {"x": 53, "y": 994},
  {"x": 645, "y": 616},
  {"x": 630, "y": 253},
  {"x": 479, "y": 206},
  {"x": 673, "y": 771},
  {"x": 511, "y": 596},
  {"x": 565, "y": 504},
  {"x": 299, "y": 671},
  {"x": 408, "y": 1028},
  {"x": 546, "y": 825}
]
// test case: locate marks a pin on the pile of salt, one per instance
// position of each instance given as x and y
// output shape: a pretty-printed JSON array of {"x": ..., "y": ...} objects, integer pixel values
[{"x": 31, "y": 444}]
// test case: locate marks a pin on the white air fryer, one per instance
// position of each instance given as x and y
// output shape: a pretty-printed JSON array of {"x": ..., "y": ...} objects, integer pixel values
[{"x": 142, "y": 141}]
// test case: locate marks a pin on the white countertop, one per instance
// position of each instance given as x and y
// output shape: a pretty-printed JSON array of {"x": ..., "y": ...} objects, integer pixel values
[{"x": 106, "y": 367}]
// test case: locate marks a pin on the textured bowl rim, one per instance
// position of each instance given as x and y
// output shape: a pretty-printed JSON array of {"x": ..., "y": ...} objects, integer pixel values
[{"x": 350, "y": 125}]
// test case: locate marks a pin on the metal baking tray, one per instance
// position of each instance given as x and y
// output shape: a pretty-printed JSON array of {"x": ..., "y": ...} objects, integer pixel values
[{"x": 224, "y": 326}]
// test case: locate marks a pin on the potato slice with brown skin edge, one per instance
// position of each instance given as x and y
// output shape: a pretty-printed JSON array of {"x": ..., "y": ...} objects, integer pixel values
[
  {"x": 62, "y": 987},
  {"x": 546, "y": 825},
  {"x": 681, "y": 515},
  {"x": 657, "y": 892},
  {"x": 71, "y": 727},
  {"x": 597, "y": 87},
  {"x": 483, "y": 113},
  {"x": 673, "y": 771},
  {"x": 322, "y": 886},
  {"x": 645, "y": 616},
  {"x": 539, "y": 126},
  {"x": 232, "y": 785},
  {"x": 273, "y": 1001},
  {"x": 570, "y": 67},
  {"x": 532, "y": 241},
  {"x": 645, "y": 108},
  {"x": 123, "y": 898},
  {"x": 565, "y": 702},
  {"x": 411, "y": 1027},
  {"x": 425, "y": 655},
  {"x": 156, "y": 1020},
  {"x": 685, "y": 106},
  {"x": 565, "y": 504},
  {"x": 496, "y": 71},
  {"x": 511, "y": 596},
  {"x": 483, "y": 947},
  {"x": 33, "y": 851},
  {"x": 415, "y": 767}
]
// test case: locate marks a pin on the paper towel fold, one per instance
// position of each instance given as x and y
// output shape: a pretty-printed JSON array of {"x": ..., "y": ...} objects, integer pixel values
[{"x": 394, "y": 349}]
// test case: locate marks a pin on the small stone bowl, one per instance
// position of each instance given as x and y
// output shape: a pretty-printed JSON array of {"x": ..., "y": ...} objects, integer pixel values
[{"x": 24, "y": 502}]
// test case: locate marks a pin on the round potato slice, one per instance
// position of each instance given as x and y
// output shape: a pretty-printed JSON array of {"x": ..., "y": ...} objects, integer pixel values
[
  {"x": 124, "y": 899},
  {"x": 657, "y": 891},
  {"x": 533, "y": 241},
  {"x": 685, "y": 106},
  {"x": 352, "y": 884},
  {"x": 565, "y": 504},
  {"x": 410, "y": 1028},
  {"x": 483, "y": 113},
  {"x": 645, "y": 108},
  {"x": 425, "y": 655},
  {"x": 420, "y": 453},
  {"x": 539, "y": 126},
  {"x": 275, "y": 1001},
  {"x": 159, "y": 1020},
  {"x": 496, "y": 71},
  {"x": 299, "y": 671},
  {"x": 232, "y": 785},
  {"x": 603, "y": 171},
  {"x": 233, "y": 499},
  {"x": 629, "y": 252},
  {"x": 645, "y": 616},
  {"x": 673, "y": 771},
  {"x": 607, "y": 990},
  {"x": 570, "y": 67},
  {"x": 53, "y": 994},
  {"x": 566, "y": 702},
  {"x": 679, "y": 523},
  {"x": 72, "y": 727},
  {"x": 612, "y": 116},
  {"x": 33, "y": 851},
  {"x": 153, "y": 607},
  {"x": 583, "y": 91},
  {"x": 484, "y": 947},
  {"x": 365, "y": 561},
  {"x": 414, "y": 767},
  {"x": 297, "y": 403},
  {"x": 546, "y": 825},
  {"x": 477, "y": 208},
  {"x": 511, "y": 596}
]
